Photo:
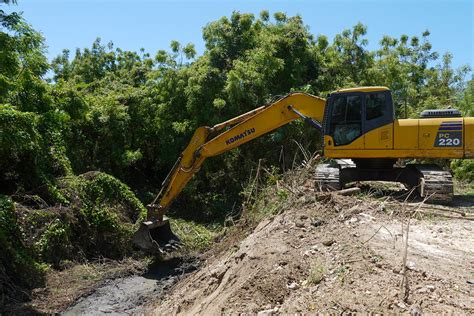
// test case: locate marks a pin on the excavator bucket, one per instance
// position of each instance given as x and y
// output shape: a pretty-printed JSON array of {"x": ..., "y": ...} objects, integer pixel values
[{"x": 156, "y": 237}]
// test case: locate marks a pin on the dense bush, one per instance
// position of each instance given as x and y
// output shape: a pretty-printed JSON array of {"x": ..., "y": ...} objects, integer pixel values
[
  {"x": 97, "y": 220},
  {"x": 18, "y": 269},
  {"x": 463, "y": 169}
]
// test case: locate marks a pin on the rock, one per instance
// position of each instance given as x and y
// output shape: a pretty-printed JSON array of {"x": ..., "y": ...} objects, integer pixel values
[
  {"x": 212, "y": 280},
  {"x": 367, "y": 217},
  {"x": 411, "y": 265},
  {"x": 218, "y": 272},
  {"x": 292, "y": 286},
  {"x": 415, "y": 310},
  {"x": 352, "y": 220},
  {"x": 265, "y": 312},
  {"x": 303, "y": 217},
  {"x": 401, "y": 305},
  {"x": 328, "y": 242},
  {"x": 430, "y": 287},
  {"x": 309, "y": 252},
  {"x": 317, "y": 223},
  {"x": 300, "y": 224},
  {"x": 422, "y": 290},
  {"x": 396, "y": 270}
]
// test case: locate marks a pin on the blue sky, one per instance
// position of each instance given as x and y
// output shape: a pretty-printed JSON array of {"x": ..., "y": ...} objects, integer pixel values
[{"x": 153, "y": 24}]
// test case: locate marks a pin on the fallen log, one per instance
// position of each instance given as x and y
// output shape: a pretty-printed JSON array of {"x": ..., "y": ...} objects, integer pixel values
[{"x": 349, "y": 191}]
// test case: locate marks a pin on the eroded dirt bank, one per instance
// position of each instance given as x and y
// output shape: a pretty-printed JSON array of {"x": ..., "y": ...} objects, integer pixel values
[{"x": 340, "y": 255}]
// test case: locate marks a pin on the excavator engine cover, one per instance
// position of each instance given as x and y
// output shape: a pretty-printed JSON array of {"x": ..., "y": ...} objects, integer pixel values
[{"x": 156, "y": 237}]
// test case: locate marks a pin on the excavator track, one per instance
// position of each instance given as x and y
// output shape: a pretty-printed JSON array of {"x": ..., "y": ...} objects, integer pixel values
[
  {"x": 327, "y": 178},
  {"x": 435, "y": 184},
  {"x": 430, "y": 181}
]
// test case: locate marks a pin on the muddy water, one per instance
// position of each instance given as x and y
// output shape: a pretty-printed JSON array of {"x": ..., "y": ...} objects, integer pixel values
[{"x": 131, "y": 294}]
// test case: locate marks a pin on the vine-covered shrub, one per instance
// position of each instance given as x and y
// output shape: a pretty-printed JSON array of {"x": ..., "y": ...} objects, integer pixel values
[
  {"x": 97, "y": 220},
  {"x": 107, "y": 213},
  {"x": 18, "y": 268},
  {"x": 32, "y": 152}
]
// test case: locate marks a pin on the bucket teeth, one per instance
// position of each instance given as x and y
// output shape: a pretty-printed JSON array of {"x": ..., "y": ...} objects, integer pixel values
[{"x": 156, "y": 237}]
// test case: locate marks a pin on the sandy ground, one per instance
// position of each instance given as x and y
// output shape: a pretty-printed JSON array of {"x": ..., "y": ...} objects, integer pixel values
[{"x": 342, "y": 255}]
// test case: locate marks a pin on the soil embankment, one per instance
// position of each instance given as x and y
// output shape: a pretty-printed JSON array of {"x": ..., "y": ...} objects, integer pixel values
[{"x": 341, "y": 255}]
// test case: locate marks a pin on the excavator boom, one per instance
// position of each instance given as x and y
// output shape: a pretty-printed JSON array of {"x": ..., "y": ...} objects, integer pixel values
[{"x": 155, "y": 234}]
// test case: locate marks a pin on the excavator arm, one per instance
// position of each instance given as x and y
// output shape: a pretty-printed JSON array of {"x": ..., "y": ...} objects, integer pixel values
[{"x": 208, "y": 142}]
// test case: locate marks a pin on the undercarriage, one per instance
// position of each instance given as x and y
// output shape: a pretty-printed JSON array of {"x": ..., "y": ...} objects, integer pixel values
[{"x": 431, "y": 182}]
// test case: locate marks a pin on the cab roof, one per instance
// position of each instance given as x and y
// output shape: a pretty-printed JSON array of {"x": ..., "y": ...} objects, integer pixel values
[{"x": 363, "y": 89}]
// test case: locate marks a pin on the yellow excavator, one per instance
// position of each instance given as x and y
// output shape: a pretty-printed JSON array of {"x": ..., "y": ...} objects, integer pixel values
[{"x": 357, "y": 124}]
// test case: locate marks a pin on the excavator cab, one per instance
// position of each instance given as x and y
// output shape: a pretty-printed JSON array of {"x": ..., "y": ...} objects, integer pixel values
[{"x": 351, "y": 113}]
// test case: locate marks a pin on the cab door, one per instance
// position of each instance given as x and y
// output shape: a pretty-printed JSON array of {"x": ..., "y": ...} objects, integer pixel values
[
  {"x": 378, "y": 117},
  {"x": 344, "y": 126}
]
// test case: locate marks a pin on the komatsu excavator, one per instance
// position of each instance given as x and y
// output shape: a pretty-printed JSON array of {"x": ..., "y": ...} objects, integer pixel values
[{"x": 357, "y": 124}]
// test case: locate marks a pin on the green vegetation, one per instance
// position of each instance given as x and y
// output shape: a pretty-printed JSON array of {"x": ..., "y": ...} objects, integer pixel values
[
  {"x": 317, "y": 274},
  {"x": 129, "y": 115},
  {"x": 18, "y": 269}
]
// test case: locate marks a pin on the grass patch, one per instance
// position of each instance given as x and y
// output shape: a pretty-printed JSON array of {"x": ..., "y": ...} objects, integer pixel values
[
  {"x": 464, "y": 188},
  {"x": 195, "y": 237},
  {"x": 316, "y": 274}
]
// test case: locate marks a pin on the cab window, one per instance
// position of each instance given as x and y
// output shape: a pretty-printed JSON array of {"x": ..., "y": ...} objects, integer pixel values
[
  {"x": 375, "y": 106},
  {"x": 346, "y": 123}
]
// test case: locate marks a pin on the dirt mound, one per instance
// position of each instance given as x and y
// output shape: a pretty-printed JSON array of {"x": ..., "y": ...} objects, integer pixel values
[{"x": 341, "y": 255}]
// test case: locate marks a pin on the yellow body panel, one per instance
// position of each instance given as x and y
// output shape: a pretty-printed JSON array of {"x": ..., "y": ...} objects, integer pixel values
[
  {"x": 428, "y": 131},
  {"x": 379, "y": 138},
  {"x": 412, "y": 138},
  {"x": 405, "y": 134},
  {"x": 469, "y": 137},
  {"x": 358, "y": 143}
]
